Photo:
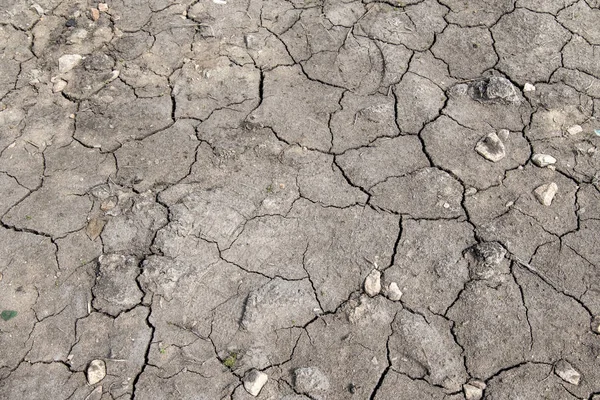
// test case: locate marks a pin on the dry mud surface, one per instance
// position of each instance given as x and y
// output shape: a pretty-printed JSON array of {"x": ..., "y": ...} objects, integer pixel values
[{"x": 300, "y": 199}]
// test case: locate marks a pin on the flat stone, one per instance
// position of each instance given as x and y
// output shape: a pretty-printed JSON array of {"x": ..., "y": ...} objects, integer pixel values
[
  {"x": 543, "y": 160},
  {"x": 254, "y": 380},
  {"x": 373, "y": 283},
  {"x": 393, "y": 292},
  {"x": 103, "y": 7},
  {"x": 567, "y": 373},
  {"x": 96, "y": 371},
  {"x": 545, "y": 193},
  {"x": 528, "y": 87},
  {"x": 491, "y": 148},
  {"x": 68, "y": 62}
]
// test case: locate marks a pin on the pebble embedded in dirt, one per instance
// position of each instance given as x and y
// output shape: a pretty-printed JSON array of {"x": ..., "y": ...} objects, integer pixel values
[
  {"x": 254, "y": 380},
  {"x": 528, "y": 87},
  {"x": 491, "y": 147},
  {"x": 494, "y": 89},
  {"x": 472, "y": 392},
  {"x": 574, "y": 130},
  {"x": 567, "y": 373},
  {"x": 543, "y": 160},
  {"x": 59, "y": 84},
  {"x": 68, "y": 62},
  {"x": 545, "y": 193},
  {"x": 310, "y": 381},
  {"x": 116, "y": 289},
  {"x": 96, "y": 371},
  {"x": 373, "y": 283},
  {"x": 393, "y": 292},
  {"x": 103, "y": 7}
]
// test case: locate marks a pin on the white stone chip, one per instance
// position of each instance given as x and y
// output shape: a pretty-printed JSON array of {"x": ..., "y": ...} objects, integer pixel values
[
  {"x": 59, "y": 85},
  {"x": 543, "y": 160},
  {"x": 68, "y": 62},
  {"x": 102, "y": 7},
  {"x": 545, "y": 193},
  {"x": 373, "y": 283},
  {"x": 472, "y": 392},
  {"x": 567, "y": 373},
  {"x": 393, "y": 292},
  {"x": 254, "y": 381},
  {"x": 491, "y": 147},
  {"x": 96, "y": 371},
  {"x": 528, "y": 87},
  {"x": 574, "y": 130}
]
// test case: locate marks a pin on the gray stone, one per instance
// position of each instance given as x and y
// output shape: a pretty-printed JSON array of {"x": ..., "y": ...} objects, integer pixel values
[
  {"x": 567, "y": 373},
  {"x": 491, "y": 148}
]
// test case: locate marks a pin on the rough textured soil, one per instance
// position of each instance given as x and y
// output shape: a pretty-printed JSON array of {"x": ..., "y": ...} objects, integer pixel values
[{"x": 300, "y": 199}]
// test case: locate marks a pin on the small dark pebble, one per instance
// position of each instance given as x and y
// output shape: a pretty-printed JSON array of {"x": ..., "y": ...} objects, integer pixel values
[{"x": 71, "y": 22}]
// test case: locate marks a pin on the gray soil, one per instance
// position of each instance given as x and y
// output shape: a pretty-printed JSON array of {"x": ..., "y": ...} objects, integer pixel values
[{"x": 300, "y": 199}]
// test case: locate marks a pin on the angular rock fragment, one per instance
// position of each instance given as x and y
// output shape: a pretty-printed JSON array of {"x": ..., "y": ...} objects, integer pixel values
[
  {"x": 393, "y": 292},
  {"x": 68, "y": 62},
  {"x": 567, "y": 373},
  {"x": 494, "y": 89},
  {"x": 528, "y": 87},
  {"x": 472, "y": 392},
  {"x": 103, "y": 7},
  {"x": 545, "y": 193},
  {"x": 310, "y": 381},
  {"x": 574, "y": 130},
  {"x": 373, "y": 283},
  {"x": 254, "y": 381},
  {"x": 491, "y": 147},
  {"x": 543, "y": 160},
  {"x": 96, "y": 371}
]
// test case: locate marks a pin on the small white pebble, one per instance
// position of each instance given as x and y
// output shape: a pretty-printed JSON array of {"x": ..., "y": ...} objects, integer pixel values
[{"x": 574, "y": 130}]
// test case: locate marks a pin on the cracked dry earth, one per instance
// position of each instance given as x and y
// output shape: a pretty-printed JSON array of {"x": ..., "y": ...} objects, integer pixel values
[{"x": 303, "y": 199}]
